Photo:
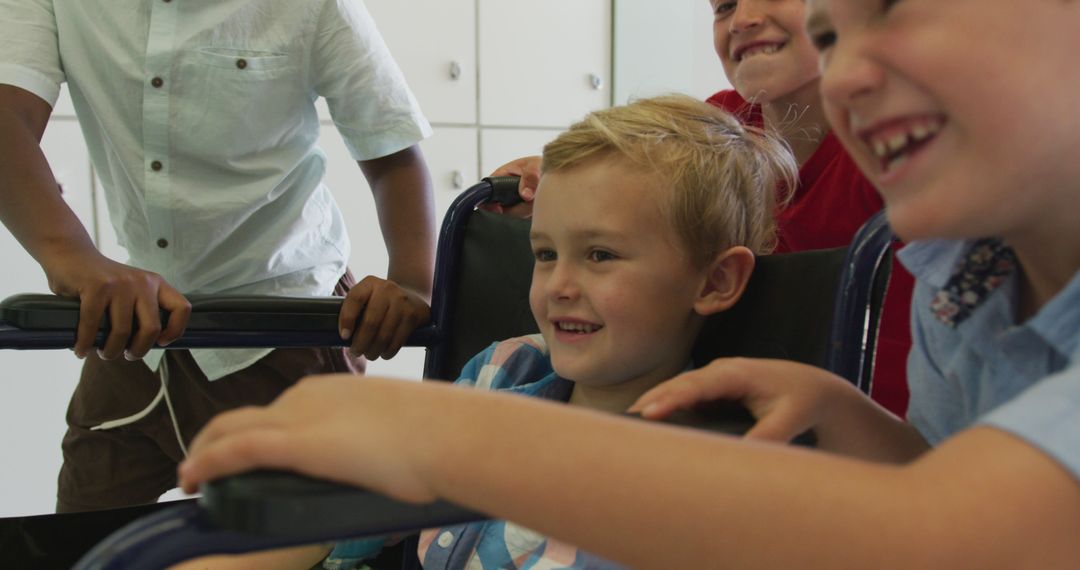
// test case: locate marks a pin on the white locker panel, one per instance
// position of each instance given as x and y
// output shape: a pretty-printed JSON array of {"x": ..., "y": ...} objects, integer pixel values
[
  {"x": 434, "y": 42},
  {"x": 543, "y": 64}
]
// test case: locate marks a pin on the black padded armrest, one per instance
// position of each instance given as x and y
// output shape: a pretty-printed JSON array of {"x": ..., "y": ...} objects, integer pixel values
[
  {"x": 275, "y": 503},
  {"x": 48, "y": 321}
]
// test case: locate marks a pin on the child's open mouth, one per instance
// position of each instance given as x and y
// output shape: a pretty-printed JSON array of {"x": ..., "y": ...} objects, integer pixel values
[
  {"x": 893, "y": 143},
  {"x": 576, "y": 328},
  {"x": 748, "y": 51}
]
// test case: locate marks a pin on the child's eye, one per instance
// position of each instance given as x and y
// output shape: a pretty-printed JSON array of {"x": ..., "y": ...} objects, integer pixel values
[
  {"x": 599, "y": 255},
  {"x": 823, "y": 40},
  {"x": 723, "y": 9},
  {"x": 542, "y": 255}
]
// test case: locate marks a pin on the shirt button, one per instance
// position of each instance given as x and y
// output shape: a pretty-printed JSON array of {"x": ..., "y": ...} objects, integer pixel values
[
  {"x": 155, "y": 166},
  {"x": 157, "y": 82},
  {"x": 241, "y": 63},
  {"x": 163, "y": 243},
  {"x": 446, "y": 539}
]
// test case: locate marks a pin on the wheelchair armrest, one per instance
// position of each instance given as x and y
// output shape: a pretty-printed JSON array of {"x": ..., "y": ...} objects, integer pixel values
[
  {"x": 276, "y": 503},
  {"x": 283, "y": 504},
  {"x": 273, "y": 509},
  {"x": 259, "y": 511},
  {"x": 39, "y": 321}
]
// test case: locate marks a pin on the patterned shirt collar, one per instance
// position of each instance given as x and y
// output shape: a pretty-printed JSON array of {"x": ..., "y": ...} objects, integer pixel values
[
  {"x": 939, "y": 266},
  {"x": 981, "y": 271}
]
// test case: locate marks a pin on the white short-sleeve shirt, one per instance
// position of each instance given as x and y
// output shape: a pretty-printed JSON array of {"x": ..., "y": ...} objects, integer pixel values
[{"x": 200, "y": 121}]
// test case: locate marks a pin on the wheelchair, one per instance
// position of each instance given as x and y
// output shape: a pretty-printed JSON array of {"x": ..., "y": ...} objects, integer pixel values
[{"x": 819, "y": 308}]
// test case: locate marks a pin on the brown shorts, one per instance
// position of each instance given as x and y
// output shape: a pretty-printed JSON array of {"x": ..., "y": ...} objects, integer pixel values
[{"x": 136, "y": 463}]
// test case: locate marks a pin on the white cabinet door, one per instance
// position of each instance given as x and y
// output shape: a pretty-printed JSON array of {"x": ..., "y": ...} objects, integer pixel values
[
  {"x": 37, "y": 384},
  {"x": 499, "y": 146},
  {"x": 434, "y": 42},
  {"x": 543, "y": 64},
  {"x": 451, "y": 157}
]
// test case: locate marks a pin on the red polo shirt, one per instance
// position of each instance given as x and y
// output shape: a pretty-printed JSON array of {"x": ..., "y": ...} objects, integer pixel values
[{"x": 831, "y": 203}]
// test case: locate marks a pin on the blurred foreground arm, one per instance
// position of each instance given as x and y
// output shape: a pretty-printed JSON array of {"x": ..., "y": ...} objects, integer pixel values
[{"x": 983, "y": 499}]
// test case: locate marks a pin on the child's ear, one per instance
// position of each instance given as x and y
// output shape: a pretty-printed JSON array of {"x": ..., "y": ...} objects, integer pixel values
[{"x": 726, "y": 277}]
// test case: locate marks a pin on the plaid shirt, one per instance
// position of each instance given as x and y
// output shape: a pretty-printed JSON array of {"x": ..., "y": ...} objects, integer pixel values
[{"x": 519, "y": 365}]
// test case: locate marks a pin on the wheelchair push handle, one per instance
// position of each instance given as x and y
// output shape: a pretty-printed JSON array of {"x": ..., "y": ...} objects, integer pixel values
[
  {"x": 42, "y": 321},
  {"x": 504, "y": 190}
]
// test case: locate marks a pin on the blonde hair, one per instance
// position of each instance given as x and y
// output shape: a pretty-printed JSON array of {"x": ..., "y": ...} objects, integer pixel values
[{"x": 726, "y": 177}]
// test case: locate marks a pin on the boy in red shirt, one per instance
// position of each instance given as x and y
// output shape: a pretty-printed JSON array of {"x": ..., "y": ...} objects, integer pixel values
[{"x": 771, "y": 62}]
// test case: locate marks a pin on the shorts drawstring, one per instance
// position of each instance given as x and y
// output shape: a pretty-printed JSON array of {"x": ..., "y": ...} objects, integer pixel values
[{"x": 163, "y": 394}]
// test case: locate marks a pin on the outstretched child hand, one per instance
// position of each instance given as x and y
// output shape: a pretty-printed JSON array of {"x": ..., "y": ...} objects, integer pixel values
[
  {"x": 789, "y": 398},
  {"x": 355, "y": 430},
  {"x": 390, "y": 313}
]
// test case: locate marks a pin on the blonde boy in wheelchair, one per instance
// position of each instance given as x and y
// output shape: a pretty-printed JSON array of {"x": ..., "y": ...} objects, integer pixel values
[{"x": 649, "y": 220}]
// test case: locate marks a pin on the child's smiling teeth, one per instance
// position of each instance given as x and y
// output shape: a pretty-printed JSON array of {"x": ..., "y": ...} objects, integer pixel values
[
  {"x": 892, "y": 146},
  {"x": 761, "y": 49},
  {"x": 582, "y": 328}
]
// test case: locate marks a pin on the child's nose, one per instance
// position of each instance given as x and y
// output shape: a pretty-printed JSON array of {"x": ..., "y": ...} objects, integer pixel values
[
  {"x": 747, "y": 16},
  {"x": 849, "y": 74},
  {"x": 563, "y": 283}
]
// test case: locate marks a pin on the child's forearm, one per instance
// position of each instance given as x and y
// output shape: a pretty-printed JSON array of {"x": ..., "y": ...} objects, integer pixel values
[
  {"x": 403, "y": 199},
  {"x": 654, "y": 496},
  {"x": 858, "y": 427},
  {"x": 595, "y": 481}
]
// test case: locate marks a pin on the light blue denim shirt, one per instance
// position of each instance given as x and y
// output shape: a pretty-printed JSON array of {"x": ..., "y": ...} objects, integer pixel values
[
  {"x": 200, "y": 120},
  {"x": 972, "y": 363}
]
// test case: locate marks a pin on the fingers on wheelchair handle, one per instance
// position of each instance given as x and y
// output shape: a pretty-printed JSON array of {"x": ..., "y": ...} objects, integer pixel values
[
  {"x": 505, "y": 190},
  {"x": 105, "y": 327}
]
